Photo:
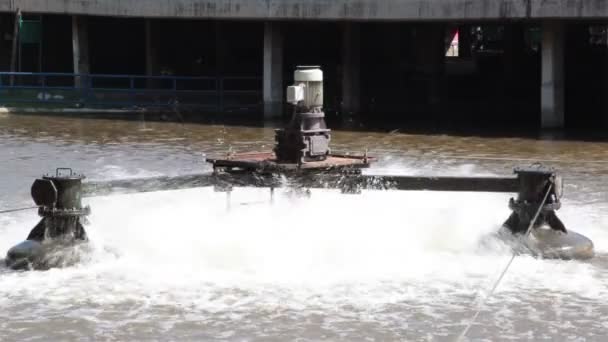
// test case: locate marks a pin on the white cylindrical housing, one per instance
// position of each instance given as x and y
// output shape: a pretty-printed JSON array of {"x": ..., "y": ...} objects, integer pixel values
[
  {"x": 312, "y": 79},
  {"x": 305, "y": 74}
]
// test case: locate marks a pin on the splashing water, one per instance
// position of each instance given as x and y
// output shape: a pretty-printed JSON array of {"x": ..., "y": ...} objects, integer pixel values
[{"x": 385, "y": 264}]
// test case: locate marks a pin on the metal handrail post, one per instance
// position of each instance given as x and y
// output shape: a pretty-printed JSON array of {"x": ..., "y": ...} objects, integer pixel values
[
  {"x": 220, "y": 87},
  {"x": 88, "y": 84},
  {"x": 174, "y": 91},
  {"x": 132, "y": 90},
  {"x": 43, "y": 81}
]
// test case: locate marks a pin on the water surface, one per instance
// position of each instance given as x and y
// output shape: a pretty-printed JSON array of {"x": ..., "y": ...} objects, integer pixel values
[{"x": 392, "y": 265}]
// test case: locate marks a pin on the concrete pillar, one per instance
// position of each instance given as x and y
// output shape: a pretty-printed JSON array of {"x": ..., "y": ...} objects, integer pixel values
[
  {"x": 273, "y": 70},
  {"x": 515, "y": 44},
  {"x": 150, "y": 56},
  {"x": 605, "y": 114},
  {"x": 80, "y": 48},
  {"x": 351, "y": 69},
  {"x": 219, "y": 49},
  {"x": 430, "y": 60},
  {"x": 552, "y": 81},
  {"x": 513, "y": 57},
  {"x": 151, "y": 59},
  {"x": 465, "y": 42}
]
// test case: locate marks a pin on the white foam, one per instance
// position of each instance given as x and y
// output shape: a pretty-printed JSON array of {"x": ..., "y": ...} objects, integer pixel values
[
  {"x": 184, "y": 248},
  {"x": 391, "y": 235}
]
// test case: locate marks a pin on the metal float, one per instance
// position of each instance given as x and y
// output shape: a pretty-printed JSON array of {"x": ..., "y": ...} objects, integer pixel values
[{"x": 59, "y": 201}]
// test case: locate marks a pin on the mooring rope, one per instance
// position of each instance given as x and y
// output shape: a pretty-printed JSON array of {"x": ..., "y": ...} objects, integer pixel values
[
  {"x": 17, "y": 209},
  {"x": 504, "y": 271}
]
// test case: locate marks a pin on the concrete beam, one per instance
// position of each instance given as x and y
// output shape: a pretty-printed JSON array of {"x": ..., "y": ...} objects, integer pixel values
[
  {"x": 411, "y": 10},
  {"x": 273, "y": 70},
  {"x": 552, "y": 83}
]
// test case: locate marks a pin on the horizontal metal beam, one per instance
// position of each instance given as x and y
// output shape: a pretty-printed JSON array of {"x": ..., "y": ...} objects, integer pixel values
[
  {"x": 324, "y": 181},
  {"x": 481, "y": 184},
  {"x": 100, "y": 188}
]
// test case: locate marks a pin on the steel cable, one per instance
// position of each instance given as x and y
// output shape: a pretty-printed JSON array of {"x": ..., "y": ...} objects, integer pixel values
[
  {"x": 474, "y": 318},
  {"x": 17, "y": 209}
]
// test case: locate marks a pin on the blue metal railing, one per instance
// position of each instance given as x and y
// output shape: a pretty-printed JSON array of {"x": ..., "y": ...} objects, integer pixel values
[{"x": 128, "y": 91}]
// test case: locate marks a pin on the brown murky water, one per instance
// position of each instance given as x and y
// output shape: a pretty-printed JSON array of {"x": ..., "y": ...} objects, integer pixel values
[{"x": 389, "y": 265}]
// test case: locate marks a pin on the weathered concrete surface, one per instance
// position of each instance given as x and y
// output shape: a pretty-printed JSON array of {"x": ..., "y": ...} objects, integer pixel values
[
  {"x": 552, "y": 86},
  {"x": 321, "y": 9},
  {"x": 351, "y": 68},
  {"x": 273, "y": 70}
]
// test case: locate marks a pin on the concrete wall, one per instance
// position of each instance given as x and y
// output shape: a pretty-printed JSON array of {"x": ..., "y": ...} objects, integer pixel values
[{"x": 321, "y": 9}]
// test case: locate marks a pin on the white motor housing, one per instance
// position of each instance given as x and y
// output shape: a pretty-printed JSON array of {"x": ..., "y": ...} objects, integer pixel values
[
  {"x": 295, "y": 94},
  {"x": 306, "y": 138},
  {"x": 308, "y": 91}
]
